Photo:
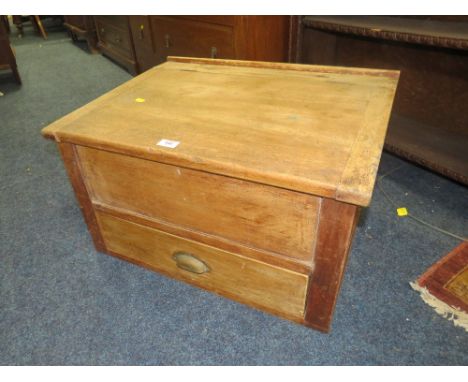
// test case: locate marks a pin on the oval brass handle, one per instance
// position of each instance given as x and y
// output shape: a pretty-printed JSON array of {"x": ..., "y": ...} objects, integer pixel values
[{"x": 190, "y": 263}]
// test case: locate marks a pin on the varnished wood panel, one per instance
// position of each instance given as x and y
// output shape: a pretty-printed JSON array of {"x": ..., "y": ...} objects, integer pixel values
[
  {"x": 68, "y": 153},
  {"x": 257, "y": 215},
  {"x": 211, "y": 240},
  {"x": 321, "y": 134},
  {"x": 262, "y": 38},
  {"x": 175, "y": 36},
  {"x": 336, "y": 228},
  {"x": 245, "y": 280}
]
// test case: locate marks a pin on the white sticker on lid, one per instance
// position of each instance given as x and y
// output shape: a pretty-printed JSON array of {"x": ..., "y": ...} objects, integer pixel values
[{"x": 168, "y": 143}]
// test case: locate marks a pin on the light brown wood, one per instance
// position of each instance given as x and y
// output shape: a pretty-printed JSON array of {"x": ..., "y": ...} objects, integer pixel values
[
  {"x": 259, "y": 216},
  {"x": 248, "y": 281},
  {"x": 260, "y": 195},
  {"x": 211, "y": 240},
  {"x": 72, "y": 166},
  {"x": 312, "y": 130}
]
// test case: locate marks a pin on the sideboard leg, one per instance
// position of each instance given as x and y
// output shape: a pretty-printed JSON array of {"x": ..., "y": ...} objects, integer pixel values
[{"x": 335, "y": 233}]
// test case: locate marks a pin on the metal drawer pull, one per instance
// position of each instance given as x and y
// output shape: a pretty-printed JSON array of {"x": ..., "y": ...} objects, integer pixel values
[
  {"x": 214, "y": 52},
  {"x": 190, "y": 263},
  {"x": 141, "y": 31}
]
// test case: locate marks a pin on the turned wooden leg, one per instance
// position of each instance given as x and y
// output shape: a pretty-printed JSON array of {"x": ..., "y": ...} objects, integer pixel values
[{"x": 40, "y": 27}]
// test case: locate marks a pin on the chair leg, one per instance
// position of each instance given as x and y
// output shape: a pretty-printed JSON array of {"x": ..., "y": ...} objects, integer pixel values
[{"x": 40, "y": 27}]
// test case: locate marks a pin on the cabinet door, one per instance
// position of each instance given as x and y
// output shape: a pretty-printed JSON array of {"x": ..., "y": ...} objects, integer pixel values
[{"x": 181, "y": 37}]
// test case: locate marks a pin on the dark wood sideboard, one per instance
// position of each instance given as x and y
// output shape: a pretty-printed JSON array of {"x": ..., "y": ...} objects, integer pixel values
[
  {"x": 429, "y": 123},
  {"x": 141, "y": 42},
  {"x": 82, "y": 27},
  {"x": 7, "y": 55}
]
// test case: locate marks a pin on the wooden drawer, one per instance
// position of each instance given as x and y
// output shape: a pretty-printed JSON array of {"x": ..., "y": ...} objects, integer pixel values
[
  {"x": 253, "y": 214},
  {"x": 277, "y": 290},
  {"x": 114, "y": 38},
  {"x": 118, "y": 21},
  {"x": 182, "y": 37}
]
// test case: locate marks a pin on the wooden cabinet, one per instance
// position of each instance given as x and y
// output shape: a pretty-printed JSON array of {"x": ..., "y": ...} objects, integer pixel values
[
  {"x": 143, "y": 42},
  {"x": 115, "y": 40},
  {"x": 240, "y": 177},
  {"x": 7, "y": 55},
  {"x": 193, "y": 38},
  {"x": 82, "y": 27},
  {"x": 140, "y": 42},
  {"x": 262, "y": 38},
  {"x": 429, "y": 123}
]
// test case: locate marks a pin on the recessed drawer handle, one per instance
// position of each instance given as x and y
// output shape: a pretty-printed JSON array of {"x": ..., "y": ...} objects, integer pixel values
[{"x": 190, "y": 263}]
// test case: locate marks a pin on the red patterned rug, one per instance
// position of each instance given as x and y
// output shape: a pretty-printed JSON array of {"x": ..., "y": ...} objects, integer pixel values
[{"x": 444, "y": 286}]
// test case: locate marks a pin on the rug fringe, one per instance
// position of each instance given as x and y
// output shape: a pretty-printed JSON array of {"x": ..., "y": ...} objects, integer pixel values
[{"x": 457, "y": 316}]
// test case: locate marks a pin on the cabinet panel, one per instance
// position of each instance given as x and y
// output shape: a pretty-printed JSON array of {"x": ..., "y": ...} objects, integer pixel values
[
  {"x": 182, "y": 37},
  {"x": 143, "y": 42}
]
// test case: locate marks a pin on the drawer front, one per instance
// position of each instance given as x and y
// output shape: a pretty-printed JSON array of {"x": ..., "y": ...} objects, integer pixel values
[
  {"x": 181, "y": 37},
  {"x": 255, "y": 215},
  {"x": 255, "y": 283},
  {"x": 114, "y": 38},
  {"x": 118, "y": 21}
]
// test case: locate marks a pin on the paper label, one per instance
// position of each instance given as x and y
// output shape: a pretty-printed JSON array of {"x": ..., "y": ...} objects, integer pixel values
[{"x": 168, "y": 143}]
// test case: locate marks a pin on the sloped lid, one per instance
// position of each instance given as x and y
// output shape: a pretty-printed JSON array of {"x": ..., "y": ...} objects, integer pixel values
[{"x": 314, "y": 129}]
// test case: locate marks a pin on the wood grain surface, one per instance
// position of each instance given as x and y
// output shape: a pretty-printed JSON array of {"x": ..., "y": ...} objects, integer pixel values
[
  {"x": 337, "y": 223},
  {"x": 317, "y": 130},
  {"x": 72, "y": 166},
  {"x": 248, "y": 281},
  {"x": 260, "y": 216},
  {"x": 211, "y": 240}
]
